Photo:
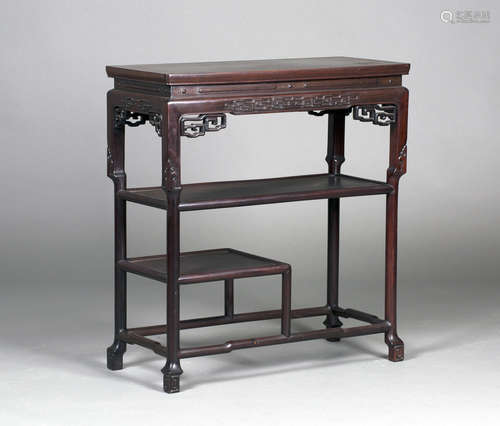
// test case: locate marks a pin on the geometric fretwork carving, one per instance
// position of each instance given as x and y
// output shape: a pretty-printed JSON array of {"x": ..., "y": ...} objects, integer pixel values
[
  {"x": 381, "y": 115},
  {"x": 193, "y": 126},
  {"x": 133, "y": 119},
  {"x": 171, "y": 173}
]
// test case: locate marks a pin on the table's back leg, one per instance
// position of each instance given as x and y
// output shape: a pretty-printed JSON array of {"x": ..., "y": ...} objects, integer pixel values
[
  {"x": 116, "y": 171},
  {"x": 397, "y": 168},
  {"x": 171, "y": 185},
  {"x": 335, "y": 158}
]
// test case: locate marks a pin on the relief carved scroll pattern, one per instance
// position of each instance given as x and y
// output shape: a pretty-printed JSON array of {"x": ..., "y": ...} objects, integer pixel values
[
  {"x": 288, "y": 103},
  {"x": 170, "y": 173},
  {"x": 400, "y": 168},
  {"x": 136, "y": 112},
  {"x": 110, "y": 161}
]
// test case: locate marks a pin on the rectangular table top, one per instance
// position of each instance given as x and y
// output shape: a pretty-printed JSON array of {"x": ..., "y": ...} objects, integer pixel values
[{"x": 270, "y": 70}]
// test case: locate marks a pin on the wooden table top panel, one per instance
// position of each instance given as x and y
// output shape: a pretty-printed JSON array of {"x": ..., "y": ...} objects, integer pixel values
[{"x": 271, "y": 70}]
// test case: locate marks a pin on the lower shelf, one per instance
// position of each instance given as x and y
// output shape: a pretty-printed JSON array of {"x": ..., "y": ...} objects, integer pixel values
[
  {"x": 205, "y": 266},
  {"x": 212, "y": 195}
]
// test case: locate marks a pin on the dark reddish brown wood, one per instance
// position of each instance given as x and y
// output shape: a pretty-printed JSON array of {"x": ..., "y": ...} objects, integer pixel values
[
  {"x": 359, "y": 315},
  {"x": 334, "y": 158},
  {"x": 228, "y": 298},
  {"x": 171, "y": 185},
  {"x": 286, "y": 302},
  {"x": 296, "y": 87},
  {"x": 212, "y": 195},
  {"x": 377, "y": 325},
  {"x": 153, "y": 330},
  {"x": 192, "y": 99},
  {"x": 328, "y": 333},
  {"x": 137, "y": 339},
  {"x": 397, "y": 168},
  {"x": 116, "y": 171},
  {"x": 259, "y": 71},
  {"x": 205, "y": 266}
]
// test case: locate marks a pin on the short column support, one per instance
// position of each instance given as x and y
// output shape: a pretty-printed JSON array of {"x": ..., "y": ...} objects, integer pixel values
[
  {"x": 335, "y": 158},
  {"x": 229, "y": 298}
]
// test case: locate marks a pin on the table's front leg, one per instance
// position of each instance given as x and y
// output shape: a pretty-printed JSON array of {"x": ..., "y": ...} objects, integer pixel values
[
  {"x": 172, "y": 186},
  {"x": 397, "y": 168},
  {"x": 116, "y": 171}
]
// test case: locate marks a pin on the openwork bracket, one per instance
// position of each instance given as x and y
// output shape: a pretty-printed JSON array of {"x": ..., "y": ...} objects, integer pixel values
[
  {"x": 381, "y": 115},
  {"x": 134, "y": 119},
  {"x": 193, "y": 126}
]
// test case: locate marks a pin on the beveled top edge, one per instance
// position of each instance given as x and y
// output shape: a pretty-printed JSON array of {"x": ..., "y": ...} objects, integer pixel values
[{"x": 254, "y": 71}]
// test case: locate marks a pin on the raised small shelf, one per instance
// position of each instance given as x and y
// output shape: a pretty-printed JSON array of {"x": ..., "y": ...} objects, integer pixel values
[
  {"x": 205, "y": 266},
  {"x": 212, "y": 195}
]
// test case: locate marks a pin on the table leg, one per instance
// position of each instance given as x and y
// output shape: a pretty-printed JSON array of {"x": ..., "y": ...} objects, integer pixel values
[
  {"x": 335, "y": 158},
  {"x": 171, "y": 184},
  {"x": 116, "y": 161},
  {"x": 395, "y": 344},
  {"x": 396, "y": 169}
]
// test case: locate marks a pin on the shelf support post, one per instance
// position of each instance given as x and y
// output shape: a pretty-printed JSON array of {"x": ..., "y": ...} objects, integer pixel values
[
  {"x": 116, "y": 172},
  {"x": 171, "y": 184},
  {"x": 397, "y": 168},
  {"x": 229, "y": 298},
  {"x": 334, "y": 158}
]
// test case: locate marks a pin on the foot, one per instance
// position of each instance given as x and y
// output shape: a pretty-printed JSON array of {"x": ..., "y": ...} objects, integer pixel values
[
  {"x": 396, "y": 348},
  {"x": 171, "y": 384},
  {"x": 332, "y": 322},
  {"x": 114, "y": 355},
  {"x": 171, "y": 375}
]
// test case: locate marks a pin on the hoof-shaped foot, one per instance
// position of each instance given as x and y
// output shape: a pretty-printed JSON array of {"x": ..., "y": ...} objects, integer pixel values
[
  {"x": 332, "y": 322},
  {"x": 114, "y": 356},
  {"x": 171, "y": 384},
  {"x": 396, "y": 348},
  {"x": 396, "y": 353},
  {"x": 171, "y": 374}
]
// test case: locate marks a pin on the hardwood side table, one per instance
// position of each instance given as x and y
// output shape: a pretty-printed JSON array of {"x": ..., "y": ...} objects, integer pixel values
[{"x": 190, "y": 99}]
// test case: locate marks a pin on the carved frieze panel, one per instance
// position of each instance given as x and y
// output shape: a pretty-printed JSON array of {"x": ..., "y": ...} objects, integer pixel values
[{"x": 286, "y": 103}]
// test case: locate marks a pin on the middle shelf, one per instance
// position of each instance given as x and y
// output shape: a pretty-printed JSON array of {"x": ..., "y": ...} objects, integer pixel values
[{"x": 212, "y": 195}]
